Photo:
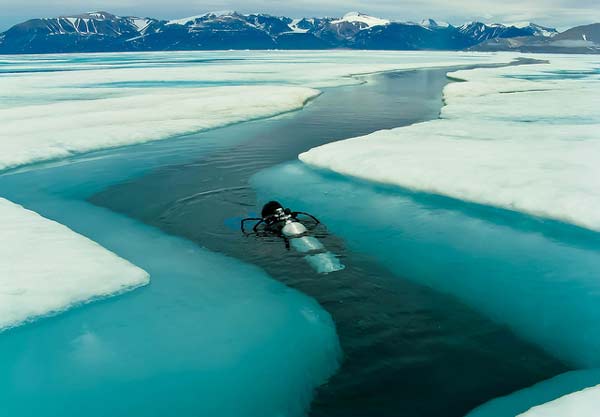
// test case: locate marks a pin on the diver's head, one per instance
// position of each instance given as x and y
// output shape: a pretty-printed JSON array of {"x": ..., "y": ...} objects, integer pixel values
[
  {"x": 274, "y": 213},
  {"x": 270, "y": 209}
]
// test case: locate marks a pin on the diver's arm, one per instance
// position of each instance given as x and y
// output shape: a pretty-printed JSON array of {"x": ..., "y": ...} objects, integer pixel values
[{"x": 250, "y": 219}]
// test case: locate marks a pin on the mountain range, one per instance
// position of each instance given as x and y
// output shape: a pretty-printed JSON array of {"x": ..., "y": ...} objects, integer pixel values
[{"x": 105, "y": 32}]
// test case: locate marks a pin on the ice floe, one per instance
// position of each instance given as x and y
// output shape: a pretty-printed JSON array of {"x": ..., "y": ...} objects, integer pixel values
[
  {"x": 46, "y": 268},
  {"x": 54, "y": 130},
  {"x": 523, "y": 138}
]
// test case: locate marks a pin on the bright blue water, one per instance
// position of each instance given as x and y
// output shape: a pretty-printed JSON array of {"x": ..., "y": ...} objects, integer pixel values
[
  {"x": 209, "y": 336},
  {"x": 538, "y": 277}
]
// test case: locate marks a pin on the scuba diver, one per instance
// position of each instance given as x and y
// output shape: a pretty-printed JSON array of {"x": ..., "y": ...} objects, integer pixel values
[
  {"x": 279, "y": 221},
  {"x": 287, "y": 224}
]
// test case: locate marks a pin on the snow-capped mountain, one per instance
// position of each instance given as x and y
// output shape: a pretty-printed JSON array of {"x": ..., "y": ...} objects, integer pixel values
[
  {"x": 205, "y": 16},
  {"x": 102, "y": 31},
  {"x": 434, "y": 24},
  {"x": 96, "y": 31},
  {"x": 535, "y": 29},
  {"x": 363, "y": 21},
  {"x": 480, "y": 32}
]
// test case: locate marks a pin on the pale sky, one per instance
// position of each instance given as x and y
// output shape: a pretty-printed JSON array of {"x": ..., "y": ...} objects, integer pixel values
[{"x": 558, "y": 13}]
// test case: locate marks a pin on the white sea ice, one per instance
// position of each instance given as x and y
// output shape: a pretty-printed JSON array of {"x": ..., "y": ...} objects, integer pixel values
[
  {"x": 46, "y": 268},
  {"x": 585, "y": 403},
  {"x": 46, "y": 131},
  {"x": 525, "y": 138},
  {"x": 545, "y": 170}
]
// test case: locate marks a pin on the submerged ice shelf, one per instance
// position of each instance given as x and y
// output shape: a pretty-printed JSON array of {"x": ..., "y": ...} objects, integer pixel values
[
  {"x": 209, "y": 336},
  {"x": 524, "y": 275},
  {"x": 537, "y": 278}
]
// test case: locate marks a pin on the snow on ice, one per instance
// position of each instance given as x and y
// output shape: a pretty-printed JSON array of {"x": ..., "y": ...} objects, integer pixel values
[
  {"x": 49, "y": 131},
  {"x": 46, "y": 268}
]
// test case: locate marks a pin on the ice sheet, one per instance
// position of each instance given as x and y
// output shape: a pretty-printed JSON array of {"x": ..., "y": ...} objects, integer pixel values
[
  {"x": 46, "y": 268},
  {"x": 523, "y": 138}
]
